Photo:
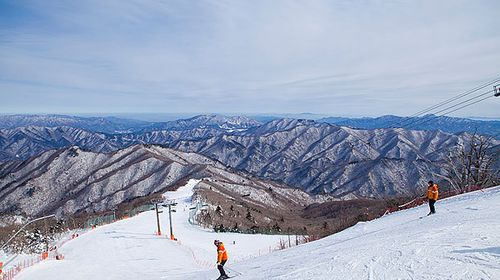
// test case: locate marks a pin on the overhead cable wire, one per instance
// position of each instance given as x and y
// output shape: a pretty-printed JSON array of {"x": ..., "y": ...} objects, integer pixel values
[
  {"x": 452, "y": 99},
  {"x": 433, "y": 116},
  {"x": 446, "y": 112}
]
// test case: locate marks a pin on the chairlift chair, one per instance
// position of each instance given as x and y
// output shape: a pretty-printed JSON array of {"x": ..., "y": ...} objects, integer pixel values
[{"x": 497, "y": 90}]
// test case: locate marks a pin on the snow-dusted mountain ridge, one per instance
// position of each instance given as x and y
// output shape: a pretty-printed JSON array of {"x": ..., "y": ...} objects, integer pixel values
[
  {"x": 96, "y": 124},
  {"x": 71, "y": 180},
  {"x": 319, "y": 157},
  {"x": 427, "y": 122},
  {"x": 113, "y": 125},
  {"x": 312, "y": 156}
]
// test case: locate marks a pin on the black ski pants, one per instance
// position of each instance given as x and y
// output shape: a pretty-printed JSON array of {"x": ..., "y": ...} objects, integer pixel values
[
  {"x": 220, "y": 267},
  {"x": 431, "y": 205}
]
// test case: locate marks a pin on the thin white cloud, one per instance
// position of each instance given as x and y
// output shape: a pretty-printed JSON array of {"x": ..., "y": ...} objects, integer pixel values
[{"x": 249, "y": 56}]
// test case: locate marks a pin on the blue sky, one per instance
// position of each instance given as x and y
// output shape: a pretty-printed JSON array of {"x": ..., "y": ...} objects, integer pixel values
[{"x": 341, "y": 58}]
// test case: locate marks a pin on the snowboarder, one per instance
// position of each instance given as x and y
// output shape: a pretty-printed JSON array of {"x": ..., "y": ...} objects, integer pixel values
[
  {"x": 221, "y": 259},
  {"x": 432, "y": 195}
]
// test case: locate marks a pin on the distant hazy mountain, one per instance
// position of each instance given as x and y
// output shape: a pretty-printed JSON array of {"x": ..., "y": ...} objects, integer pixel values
[
  {"x": 428, "y": 122},
  {"x": 226, "y": 123},
  {"x": 24, "y": 142},
  {"x": 96, "y": 124},
  {"x": 271, "y": 117},
  {"x": 113, "y": 125}
]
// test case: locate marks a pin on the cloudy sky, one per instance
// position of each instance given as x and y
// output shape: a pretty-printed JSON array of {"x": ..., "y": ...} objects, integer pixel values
[{"x": 340, "y": 58}]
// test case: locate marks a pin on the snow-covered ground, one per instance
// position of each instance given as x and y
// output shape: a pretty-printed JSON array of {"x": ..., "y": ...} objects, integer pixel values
[
  {"x": 462, "y": 241},
  {"x": 129, "y": 249}
]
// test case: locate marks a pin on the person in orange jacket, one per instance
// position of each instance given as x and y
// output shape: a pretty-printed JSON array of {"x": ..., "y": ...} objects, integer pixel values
[
  {"x": 221, "y": 259},
  {"x": 432, "y": 195}
]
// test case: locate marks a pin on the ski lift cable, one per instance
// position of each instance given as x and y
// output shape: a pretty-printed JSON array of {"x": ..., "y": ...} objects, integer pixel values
[
  {"x": 467, "y": 105},
  {"x": 430, "y": 117},
  {"x": 456, "y": 109},
  {"x": 446, "y": 112},
  {"x": 441, "y": 111},
  {"x": 435, "y": 107},
  {"x": 450, "y": 100},
  {"x": 425, "y": 120},
  {"x": 469, "y": 92},
  {"x": 434, "y": 117}
]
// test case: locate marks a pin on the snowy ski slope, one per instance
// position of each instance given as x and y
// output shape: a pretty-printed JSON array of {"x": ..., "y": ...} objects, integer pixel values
[
  {"x": 462, "y": 241},
  {"x": 129, "y": 249}
]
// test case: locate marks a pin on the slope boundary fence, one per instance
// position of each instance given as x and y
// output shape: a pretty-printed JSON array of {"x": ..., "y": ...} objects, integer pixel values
[
  {"x": 53, "y": 254},
  {"x": 422, "y": 200}
]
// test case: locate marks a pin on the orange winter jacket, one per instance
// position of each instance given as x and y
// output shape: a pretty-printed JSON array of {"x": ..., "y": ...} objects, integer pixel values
[
  {"x": 221, "y": 253},
  {"x": 432, "y": 192}
]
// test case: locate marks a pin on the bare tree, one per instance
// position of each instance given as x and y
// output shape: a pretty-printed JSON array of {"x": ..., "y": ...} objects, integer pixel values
[{"x": 472, "y": 163}]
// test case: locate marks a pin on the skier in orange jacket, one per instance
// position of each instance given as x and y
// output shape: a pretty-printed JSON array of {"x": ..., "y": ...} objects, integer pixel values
[
  {"x": 432, "y": 195},
  {"x": 221, "y": 259}
]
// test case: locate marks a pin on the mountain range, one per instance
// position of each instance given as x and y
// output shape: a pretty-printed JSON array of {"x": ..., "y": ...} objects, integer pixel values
[
  {"x": 313, "y": 156},
  {"x": 114, "y": 125},
  {"x": 427, "y": 122},
  {"x": 95, "y": 124},
  {"x": 304, "y": 154},
  {"x": 70, "y": 180},
  {"x": 342, "y": 161}
]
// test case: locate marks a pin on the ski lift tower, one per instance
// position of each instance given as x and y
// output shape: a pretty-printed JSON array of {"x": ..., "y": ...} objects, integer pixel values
[
  {"x": 169, "y": 204},
  {"x": 158, "y": 212}
]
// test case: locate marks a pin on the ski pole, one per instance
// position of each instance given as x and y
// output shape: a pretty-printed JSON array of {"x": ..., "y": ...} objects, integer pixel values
[{"x": 237, "y": 272}]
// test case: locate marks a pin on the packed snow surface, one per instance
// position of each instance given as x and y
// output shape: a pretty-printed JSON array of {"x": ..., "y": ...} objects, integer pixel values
[
  {"x": 461, "y": 241},
  {"x": 129, "y": 249}
]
